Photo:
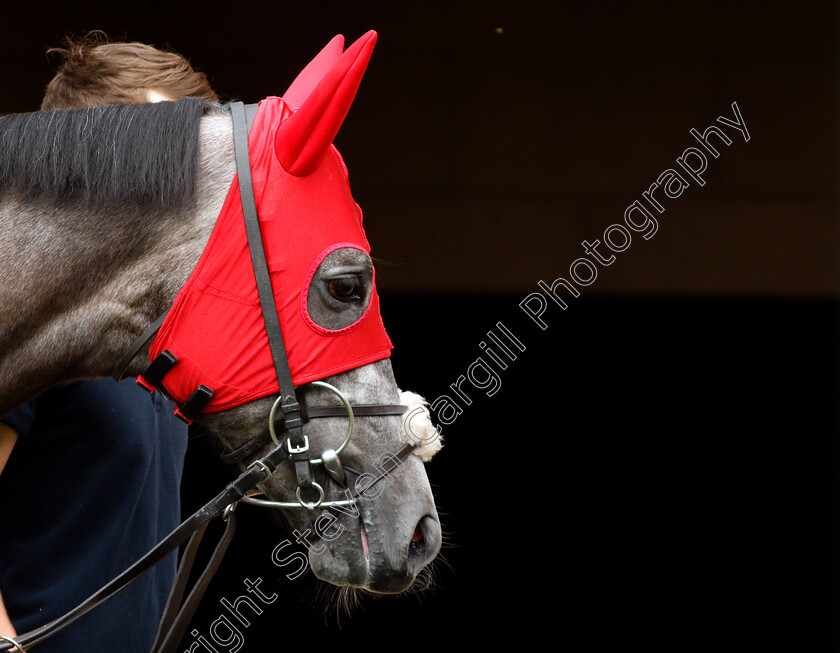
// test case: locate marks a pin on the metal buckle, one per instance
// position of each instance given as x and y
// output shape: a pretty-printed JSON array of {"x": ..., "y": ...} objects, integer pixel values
[
  {"x": 302, "y": 449},
  {"x": 265, "y": 468}
]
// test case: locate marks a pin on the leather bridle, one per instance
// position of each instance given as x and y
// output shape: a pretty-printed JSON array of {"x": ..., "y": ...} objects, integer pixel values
[
  {"x": 288, "y": 412},
  {"x": 293, "y": 412}
]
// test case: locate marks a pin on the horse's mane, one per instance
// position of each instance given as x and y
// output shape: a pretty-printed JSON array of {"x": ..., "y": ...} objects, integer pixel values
[{"x": 146, "y": 154}]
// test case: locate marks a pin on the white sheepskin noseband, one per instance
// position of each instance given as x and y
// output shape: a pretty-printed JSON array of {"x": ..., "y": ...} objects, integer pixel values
[{"x": 417, "y": 427}]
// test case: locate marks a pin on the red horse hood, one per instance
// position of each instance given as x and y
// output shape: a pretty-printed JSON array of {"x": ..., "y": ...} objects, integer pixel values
[{"x": 215, "y": 327}]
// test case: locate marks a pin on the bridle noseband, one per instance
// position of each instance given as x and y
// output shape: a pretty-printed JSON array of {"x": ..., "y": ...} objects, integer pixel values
[{"x": 329, "y": 457}]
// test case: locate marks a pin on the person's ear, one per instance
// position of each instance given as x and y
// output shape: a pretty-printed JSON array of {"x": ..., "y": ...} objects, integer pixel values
[{"x": 156, "y": 96}]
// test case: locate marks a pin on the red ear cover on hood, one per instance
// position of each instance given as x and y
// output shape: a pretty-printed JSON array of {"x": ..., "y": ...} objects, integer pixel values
[
  {"x": 304, "y": 138},
  {"x": 309, "y": 77}
]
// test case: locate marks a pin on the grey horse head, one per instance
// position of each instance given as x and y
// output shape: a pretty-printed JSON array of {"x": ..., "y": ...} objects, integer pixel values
[{"x": 101, "y": 240}]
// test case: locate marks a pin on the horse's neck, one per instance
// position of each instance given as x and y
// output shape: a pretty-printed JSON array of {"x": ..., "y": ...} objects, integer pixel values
[{"x": 80, "y": 285}]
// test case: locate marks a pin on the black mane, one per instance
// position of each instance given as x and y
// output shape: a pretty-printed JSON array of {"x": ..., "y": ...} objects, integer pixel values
[{"x": 140, "y": 153}]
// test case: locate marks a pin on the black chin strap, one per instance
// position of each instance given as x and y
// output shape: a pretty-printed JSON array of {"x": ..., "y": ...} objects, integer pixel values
[
  {"x": 299, "y": 446},
  {"x": 136, "y": 346}
]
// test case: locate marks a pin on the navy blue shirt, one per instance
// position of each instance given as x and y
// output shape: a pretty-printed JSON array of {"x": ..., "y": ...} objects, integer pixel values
[{"x": 91, "y": 485}]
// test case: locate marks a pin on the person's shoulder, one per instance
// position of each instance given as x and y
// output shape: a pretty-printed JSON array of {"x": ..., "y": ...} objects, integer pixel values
[
  {"x": 21, "y": 419},
  {"x": 110, "y": 404}
]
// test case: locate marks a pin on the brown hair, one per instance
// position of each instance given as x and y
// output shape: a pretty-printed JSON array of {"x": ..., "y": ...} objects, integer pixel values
[{"x": 95, "y": 72}]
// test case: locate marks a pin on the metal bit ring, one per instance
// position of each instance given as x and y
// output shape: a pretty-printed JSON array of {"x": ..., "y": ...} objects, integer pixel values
[
  {"x": 314, "y": 504},
  {"x": 278, "y": 402}
]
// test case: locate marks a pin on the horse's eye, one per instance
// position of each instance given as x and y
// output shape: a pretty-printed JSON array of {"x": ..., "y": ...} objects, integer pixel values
[{"x": 344, "y": 288}]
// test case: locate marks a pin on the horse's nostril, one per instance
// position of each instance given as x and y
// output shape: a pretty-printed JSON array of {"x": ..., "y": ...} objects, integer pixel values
[
  {"x": 423, "y": 545},
  {"x": 418, "y": 535}
]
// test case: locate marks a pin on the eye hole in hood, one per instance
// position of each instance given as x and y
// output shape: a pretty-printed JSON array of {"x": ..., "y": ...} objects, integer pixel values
[{"x": 339, "y": 290}]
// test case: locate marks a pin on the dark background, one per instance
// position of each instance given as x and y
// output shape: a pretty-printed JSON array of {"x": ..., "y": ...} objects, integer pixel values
[{"x": 660, "y": 465}]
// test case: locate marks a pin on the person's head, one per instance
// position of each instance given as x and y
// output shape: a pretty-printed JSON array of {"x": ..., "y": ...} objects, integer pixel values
[{"x": 95, "y": 72}]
